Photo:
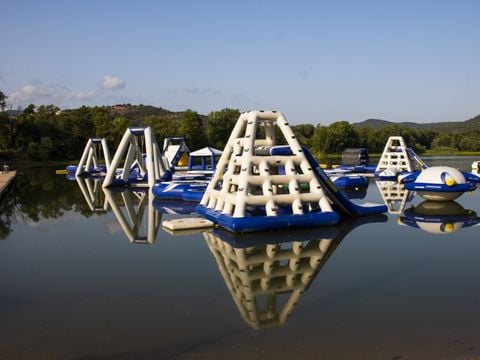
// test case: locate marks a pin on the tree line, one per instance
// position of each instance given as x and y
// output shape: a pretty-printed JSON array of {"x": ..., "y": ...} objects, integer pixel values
[{"x": 46, "y": 133}]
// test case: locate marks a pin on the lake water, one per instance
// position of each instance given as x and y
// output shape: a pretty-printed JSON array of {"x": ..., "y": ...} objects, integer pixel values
[{"x": 78, "y": 283}]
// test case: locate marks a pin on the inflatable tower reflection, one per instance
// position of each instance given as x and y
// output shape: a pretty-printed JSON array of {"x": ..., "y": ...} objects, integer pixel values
[
  {"x": 135, "y": 202},
  {"x": 267, "y": 276},
  {"x": 394, "y": 195},
  {"x": 93, "y": 194}
]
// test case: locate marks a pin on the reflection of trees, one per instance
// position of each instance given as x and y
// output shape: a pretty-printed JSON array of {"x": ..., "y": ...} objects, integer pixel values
[
  {"x": 266, "y": 275},
  {"x": 9, "y": 211},
  {"x": 39, "y": 194}
]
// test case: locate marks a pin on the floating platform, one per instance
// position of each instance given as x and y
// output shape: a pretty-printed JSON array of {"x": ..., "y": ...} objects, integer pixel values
[
  {"x": 187, "y": 224},
  {"x": 6, "y": 178}
]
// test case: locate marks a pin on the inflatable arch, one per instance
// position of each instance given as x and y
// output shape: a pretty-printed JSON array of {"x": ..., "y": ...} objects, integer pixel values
[
  {"x": 147, "y": 163},
  {"x": 89, "y": 162}
]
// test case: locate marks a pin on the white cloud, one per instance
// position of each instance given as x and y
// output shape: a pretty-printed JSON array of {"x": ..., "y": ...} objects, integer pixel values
[
  {"x": 112, "y": 83},
  {"x": 47, "y": 94}
]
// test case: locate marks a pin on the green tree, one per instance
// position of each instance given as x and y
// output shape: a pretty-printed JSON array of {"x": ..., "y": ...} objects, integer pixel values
[
  {"x": 191, "y": 127},
  {"x": 319, "y": 138},
  {"x": 3, "y": 99},
  {"x": 304, "y": 133},
  {"x": 163, "y": 127},
  {"x": 470, "y": 143},
  {"x": 340, "y": 135},
  {"x": 219, "y": 126},
  {"x": 443, "y": 141}
]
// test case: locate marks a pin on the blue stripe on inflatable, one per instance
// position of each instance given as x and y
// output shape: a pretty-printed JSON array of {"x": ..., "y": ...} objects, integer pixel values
[
  {"x": 415, "y": 186},
  {"x": 263, "y": 223}
]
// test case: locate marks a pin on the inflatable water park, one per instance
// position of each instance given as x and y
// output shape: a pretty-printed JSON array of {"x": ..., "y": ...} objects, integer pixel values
[{"x": 264, "y": 178}]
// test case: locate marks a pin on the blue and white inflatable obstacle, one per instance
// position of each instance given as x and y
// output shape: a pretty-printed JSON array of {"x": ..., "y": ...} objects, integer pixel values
[
  {"x": 397, "y": 159},
  {"x": 439, "y": 183},
  {"x": 259, "y": 186}
]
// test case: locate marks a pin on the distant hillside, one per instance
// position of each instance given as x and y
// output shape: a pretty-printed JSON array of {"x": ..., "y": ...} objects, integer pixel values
[
  {"x": 441, "y": 127},
  {"x": 137, "y": 113}
]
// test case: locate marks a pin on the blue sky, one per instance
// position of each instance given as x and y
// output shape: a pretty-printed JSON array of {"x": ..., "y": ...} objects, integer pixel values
[{"x": 317, "y": 61}]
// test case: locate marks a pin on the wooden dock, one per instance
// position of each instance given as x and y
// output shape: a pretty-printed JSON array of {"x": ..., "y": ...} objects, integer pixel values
[{"x": 5, "y": 179}]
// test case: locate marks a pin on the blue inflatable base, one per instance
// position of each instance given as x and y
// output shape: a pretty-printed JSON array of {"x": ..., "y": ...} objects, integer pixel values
[
  {"x": 262, "y": 222},
  {"x": 186, "y": 191},
  {"x": 415, "y": 186},
  {"x": 72, "y": 169}
]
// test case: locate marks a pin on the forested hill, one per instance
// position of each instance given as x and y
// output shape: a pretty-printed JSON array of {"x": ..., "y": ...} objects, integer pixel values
[
  {"x": 48, "y": 133},
  {"x": 133, "y": 114},
  {"x": 456, "y": 127}
]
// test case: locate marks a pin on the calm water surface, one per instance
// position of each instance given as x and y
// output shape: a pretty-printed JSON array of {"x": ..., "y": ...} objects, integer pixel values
[{"x": 79, "y": 282}]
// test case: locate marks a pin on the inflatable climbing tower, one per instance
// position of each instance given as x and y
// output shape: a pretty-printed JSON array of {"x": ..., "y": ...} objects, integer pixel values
[
  {"x": 259, "y": 185},
  {"x": 394, "y": 158}
]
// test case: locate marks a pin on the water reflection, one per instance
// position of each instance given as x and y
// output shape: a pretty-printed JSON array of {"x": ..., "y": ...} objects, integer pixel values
[
  {"x": 394, "y": 195},
  {"x": 129, "y": 206},
  {"x": 355, "y": 194},
  {"x": 92, "y": 192},
  {"x": 439, "y": 217},
  {"x": 266, "y": 273}
]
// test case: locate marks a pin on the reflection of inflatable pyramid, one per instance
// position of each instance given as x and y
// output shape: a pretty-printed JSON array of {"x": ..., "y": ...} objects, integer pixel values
[
  {"x": 394, "y": 195},
  {"x": 135, "y": 202},
  {"x": 265, "y": 277},
  {"x": 93, "y": 194},
  {"x": 439, "y": 217}
]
